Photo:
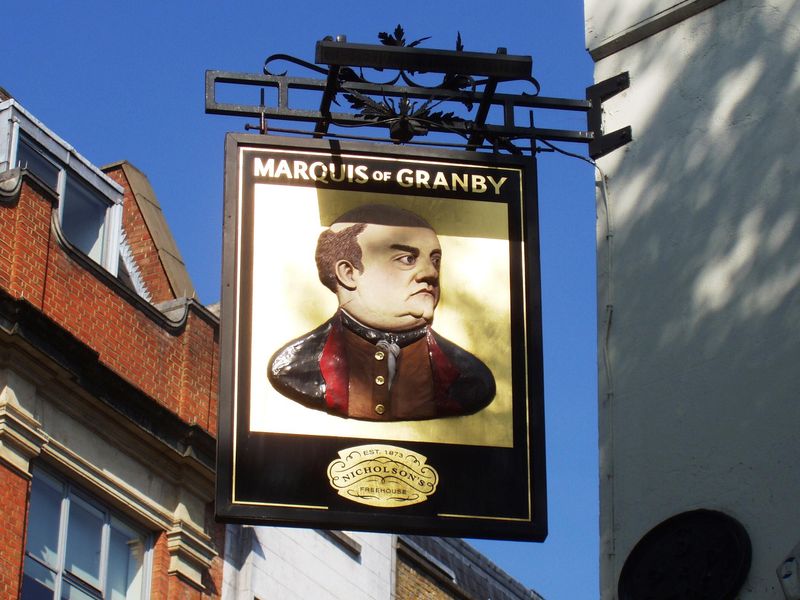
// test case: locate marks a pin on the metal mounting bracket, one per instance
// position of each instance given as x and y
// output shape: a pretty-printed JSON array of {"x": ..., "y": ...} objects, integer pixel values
[
  {"x": 601, "y": 144},
  {"x": 460, "y": 105}
]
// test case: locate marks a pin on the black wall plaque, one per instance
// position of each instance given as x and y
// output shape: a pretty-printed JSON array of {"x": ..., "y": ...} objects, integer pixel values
[{"x": 695, "y": 555}]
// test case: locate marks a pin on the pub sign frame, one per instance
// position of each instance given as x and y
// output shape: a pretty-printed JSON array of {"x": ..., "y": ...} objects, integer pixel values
[{"x": 287, "y": 454}]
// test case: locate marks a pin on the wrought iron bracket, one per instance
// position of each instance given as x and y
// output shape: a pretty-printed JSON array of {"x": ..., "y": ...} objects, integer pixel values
[
  {"x": 469, "y": 85},
  {"x": 601, "y": 143}
]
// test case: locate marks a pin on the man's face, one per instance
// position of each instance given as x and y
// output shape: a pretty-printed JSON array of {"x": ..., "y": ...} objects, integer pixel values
[{"x": 398, "y": 288}]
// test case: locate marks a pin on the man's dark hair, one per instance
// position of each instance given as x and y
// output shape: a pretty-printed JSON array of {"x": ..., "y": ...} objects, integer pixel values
[
  {"x": 332, "y": 247},
  {"x": 343, "y": 245}
]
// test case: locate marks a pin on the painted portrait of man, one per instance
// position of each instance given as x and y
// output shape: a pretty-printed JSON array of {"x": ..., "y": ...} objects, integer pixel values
[{"x": 378, "y": 358}]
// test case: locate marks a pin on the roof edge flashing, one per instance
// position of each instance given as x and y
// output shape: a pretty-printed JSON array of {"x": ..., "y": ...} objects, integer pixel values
[{"x": 61, "y": 149}]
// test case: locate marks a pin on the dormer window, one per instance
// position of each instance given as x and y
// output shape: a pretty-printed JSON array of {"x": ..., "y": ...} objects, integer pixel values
[
  {"x": 83, "y": 215},
  {"x": 89, "y": 203},
  {"x": 36, "y": 162}
]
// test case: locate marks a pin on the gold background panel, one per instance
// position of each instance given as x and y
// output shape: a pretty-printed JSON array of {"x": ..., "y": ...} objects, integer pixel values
[{"x": 289, "y": 301}]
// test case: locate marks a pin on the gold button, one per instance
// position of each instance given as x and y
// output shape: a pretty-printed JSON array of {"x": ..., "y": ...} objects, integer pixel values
[
  {"x": 380, "y": 380},
  {"x": 379, "y": 355},
  {"x": 380, "y": 409}
]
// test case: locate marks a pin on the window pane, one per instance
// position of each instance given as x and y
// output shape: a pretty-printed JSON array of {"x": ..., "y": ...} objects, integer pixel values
[
  {"x": 38, "y": 583},
  {"x": 43, "y": 520},
  {"x": 73, "y": 592},
  {"x": 33, "y": 160},
  {"x": 84, "y": 536},
  {"x": 85, "y": 549},
  {"x": 83, "y": 218},
  {"x": 125, "y": 559}
]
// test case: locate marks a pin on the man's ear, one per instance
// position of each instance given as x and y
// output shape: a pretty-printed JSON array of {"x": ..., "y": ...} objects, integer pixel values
[{"x": 346, "y": 274}]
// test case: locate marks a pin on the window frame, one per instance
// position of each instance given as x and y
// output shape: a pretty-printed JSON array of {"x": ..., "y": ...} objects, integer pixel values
[
  {"x": 61, "y": 573},
  {"x": 80, "y": 186},
  {"x": 25, "y": 140},
  {"x": 69, "y": 170}
]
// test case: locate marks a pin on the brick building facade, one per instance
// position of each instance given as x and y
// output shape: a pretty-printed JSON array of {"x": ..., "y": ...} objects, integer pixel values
[
  {"x": 107, "y": 389},
  {"x": 450, "y": 569}
]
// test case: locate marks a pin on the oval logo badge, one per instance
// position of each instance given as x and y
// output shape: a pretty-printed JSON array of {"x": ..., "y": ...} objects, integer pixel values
[{"x": 382, "y": 476}]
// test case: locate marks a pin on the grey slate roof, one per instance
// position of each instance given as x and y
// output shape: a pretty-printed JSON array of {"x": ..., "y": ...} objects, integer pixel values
[{"x": 477, "y": 577}]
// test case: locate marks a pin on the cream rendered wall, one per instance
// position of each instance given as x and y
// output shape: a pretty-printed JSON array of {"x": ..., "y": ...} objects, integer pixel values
[
  {"x": 699, "y": 276},
  {"x": 47, "y": 420},
  {"x": 303, "y": 564}
]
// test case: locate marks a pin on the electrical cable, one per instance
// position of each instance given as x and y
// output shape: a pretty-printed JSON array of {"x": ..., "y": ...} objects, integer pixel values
[{"x": 609, "y": 312}]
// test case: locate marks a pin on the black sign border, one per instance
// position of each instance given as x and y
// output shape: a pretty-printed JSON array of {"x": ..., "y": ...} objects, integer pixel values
[{"x": 489, "y": 499}]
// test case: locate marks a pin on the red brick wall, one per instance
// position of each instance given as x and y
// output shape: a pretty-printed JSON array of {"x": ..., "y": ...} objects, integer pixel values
[
  {"x": 159, "y": 578},
  {"x": 164, "y": 586},
  {"x": 14, "y": 491},
  {"x": 144, "y": 250},
  {"x": 176, "y": 368},
  {"x": 24, "y": 237}
]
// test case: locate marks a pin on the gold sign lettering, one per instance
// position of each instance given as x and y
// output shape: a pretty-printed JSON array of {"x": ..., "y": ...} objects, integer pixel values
[{"x": 382, "y": 476}]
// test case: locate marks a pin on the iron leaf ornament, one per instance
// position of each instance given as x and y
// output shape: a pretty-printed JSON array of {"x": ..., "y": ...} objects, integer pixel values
[
  {"x": 468, "y": 80},
  {"x": 453, "y": 81},
  {"x": 377, "y": 103},
  {"x": 406, "y": 119},
  {"x": 398, "y": 38}
]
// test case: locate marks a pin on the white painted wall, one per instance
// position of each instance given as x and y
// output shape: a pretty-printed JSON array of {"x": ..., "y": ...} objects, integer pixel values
[
  {"x": 700, "y": 404},
  {"x": 302, "y": 564},
  {"x": 616, "y": 22}
]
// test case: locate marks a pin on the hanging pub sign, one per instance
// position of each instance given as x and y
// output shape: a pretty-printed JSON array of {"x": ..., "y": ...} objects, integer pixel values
[{"x": 381, "y": 340}]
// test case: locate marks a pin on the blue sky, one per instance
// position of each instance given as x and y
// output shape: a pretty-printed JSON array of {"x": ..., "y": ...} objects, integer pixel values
[{"x": 125, "y": 81}]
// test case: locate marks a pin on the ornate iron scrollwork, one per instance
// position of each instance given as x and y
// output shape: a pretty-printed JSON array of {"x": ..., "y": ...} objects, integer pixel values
[{"x": 388, "y": 86}]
